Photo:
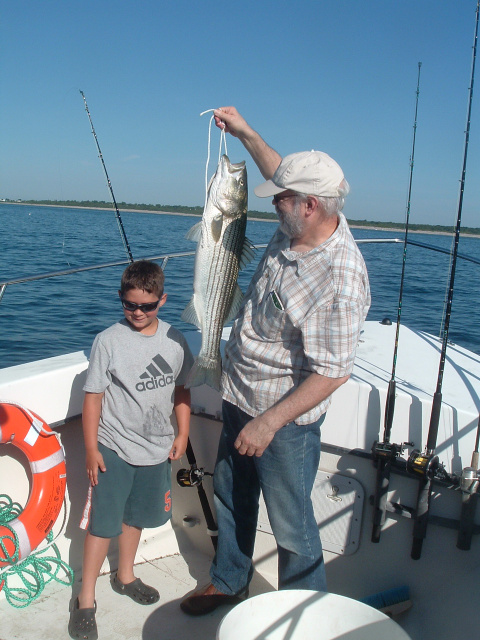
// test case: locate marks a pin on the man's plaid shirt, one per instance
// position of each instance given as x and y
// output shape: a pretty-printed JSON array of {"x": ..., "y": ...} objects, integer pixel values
[{"x": 302, "y": 313}]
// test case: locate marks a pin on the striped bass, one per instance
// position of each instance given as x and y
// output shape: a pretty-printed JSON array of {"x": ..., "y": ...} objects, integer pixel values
[{"x": 222, "y": 251}]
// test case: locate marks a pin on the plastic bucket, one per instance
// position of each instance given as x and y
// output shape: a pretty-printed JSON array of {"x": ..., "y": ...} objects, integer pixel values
[{"x": 306, "y": 615}]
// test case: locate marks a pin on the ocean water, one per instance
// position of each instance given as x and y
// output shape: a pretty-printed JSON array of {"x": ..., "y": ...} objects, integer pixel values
[{"x": 55, "y": 316}]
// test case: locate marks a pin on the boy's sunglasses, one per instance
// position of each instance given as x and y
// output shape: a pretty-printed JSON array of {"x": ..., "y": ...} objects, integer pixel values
[{"x": 144, "y": 308}]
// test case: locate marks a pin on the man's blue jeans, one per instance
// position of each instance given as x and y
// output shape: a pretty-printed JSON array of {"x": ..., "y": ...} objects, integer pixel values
[{"x": 285, "y": 473}]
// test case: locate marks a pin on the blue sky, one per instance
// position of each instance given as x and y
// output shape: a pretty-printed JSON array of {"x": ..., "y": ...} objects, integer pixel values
[{"x": 335, "y": 75}]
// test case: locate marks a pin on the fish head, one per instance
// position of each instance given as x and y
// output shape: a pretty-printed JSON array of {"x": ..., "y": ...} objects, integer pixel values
[{"x": 228, "y": 190}]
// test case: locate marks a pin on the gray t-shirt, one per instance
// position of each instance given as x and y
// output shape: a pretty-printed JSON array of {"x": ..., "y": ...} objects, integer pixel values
[{"x": 138, "y": 375}]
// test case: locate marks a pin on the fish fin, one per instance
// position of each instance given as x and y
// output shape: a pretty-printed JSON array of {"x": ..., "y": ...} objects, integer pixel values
[
  {"x": 248, "y": 253},
  {"x": 205, "y": 371},
  {"x": 216, "y": 227},
  {"x": 237, "y": 300},
  {"x": 195, "y": 233},
  {"x": 189, "y": 314}
]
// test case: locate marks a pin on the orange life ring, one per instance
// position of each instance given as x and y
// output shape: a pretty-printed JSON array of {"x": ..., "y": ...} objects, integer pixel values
[{"x": 27, "y": 431}]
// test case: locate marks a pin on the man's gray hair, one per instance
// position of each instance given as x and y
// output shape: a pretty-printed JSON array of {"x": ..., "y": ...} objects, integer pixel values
[
  {"x": 334, "y": 205},
  {"x": 330, "y": 205}
]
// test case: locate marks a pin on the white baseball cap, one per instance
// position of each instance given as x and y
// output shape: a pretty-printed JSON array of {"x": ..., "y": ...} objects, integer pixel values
[{"x": 310, "y": 172}]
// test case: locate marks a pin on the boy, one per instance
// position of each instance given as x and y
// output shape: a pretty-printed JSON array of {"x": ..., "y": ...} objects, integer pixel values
[{"x": 135, "y": 377}]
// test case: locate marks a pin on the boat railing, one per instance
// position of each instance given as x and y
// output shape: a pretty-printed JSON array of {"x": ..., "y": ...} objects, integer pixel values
[
  {"x": 183, "y": 254},
  {"x": 104, "y": 265}
]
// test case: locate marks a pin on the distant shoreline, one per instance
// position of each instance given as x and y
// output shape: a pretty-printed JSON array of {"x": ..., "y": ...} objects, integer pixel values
[{"x": 194, "y": 215}]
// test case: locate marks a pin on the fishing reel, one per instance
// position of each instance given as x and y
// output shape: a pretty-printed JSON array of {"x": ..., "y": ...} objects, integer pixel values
[
  {"x": 423, "y": 464},
  {"x": 192, "y": 477},
  {"x": 387, "y": 451}
]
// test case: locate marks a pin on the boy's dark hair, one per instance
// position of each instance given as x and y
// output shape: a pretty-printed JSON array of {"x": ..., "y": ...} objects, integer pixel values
[{"x": 145, "y": 275}]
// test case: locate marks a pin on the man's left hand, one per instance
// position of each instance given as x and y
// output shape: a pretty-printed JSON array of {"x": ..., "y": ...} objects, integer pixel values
[{"x": 255, "y": 437}]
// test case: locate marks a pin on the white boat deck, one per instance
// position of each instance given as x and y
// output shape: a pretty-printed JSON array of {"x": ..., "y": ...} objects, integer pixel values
[{"x": 119, "y": 617}]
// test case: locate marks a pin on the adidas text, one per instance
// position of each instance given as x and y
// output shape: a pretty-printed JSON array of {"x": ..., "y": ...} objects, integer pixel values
[{"x": 154, "y": 383}]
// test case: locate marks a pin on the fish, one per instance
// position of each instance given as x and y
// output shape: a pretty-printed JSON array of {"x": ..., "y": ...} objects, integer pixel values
[{"x": 222, "y": 251}]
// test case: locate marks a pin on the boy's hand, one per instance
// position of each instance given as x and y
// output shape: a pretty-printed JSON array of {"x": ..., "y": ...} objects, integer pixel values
[
  {"x": 179, "y": 447},
  {"x": 94, "y": 462}
]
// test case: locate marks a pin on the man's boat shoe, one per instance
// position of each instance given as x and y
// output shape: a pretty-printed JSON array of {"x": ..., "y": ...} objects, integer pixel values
[
  {"x": 136, "y": 590},
  {"x": 208, "y": 599},
  {"x": 82, "y": 623}
]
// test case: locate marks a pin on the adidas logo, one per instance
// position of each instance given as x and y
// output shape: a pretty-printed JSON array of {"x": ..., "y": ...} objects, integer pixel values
[{"x": 158, "y": 374}]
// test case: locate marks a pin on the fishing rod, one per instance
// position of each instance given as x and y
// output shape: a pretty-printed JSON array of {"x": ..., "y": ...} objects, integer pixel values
[
  {"x": 117, "y": 212},
  {"x": 386, "y": 452},
  {"x": 425, "y": 464}
]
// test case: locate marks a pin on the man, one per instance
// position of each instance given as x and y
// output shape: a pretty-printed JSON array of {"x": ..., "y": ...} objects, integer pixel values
[{"x": 292, "y": 344}]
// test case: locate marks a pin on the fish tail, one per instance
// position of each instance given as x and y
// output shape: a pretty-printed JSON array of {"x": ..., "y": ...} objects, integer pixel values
[{"x": 205, "y": 371}]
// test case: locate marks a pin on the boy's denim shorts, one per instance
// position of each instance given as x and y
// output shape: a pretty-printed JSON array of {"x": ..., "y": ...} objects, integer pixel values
[{"x": 139, "y": 496}]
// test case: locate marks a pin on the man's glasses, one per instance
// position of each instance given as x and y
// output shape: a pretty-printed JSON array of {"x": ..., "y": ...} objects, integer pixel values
[
  {"x": 148, "y": 307},
  {"x": 278, "y": 196}
]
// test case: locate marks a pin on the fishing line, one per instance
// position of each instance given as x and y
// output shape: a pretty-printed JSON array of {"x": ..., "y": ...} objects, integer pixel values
[
  {"x": 117, "y": 212},
  {"x": 385, "y": 452},
  {"x": 223, "y": 142},
  {"x": 426, "y": 464}
]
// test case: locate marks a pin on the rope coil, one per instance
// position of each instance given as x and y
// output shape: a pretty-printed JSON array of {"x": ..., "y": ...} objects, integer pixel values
[{"x": 23, "y": 582}]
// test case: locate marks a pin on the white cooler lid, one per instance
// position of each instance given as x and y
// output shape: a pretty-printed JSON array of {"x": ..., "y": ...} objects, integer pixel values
[{"x": 306, "y": 615}]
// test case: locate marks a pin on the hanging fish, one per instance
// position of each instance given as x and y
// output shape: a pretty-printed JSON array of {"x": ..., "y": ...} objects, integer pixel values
[{"x": 222, "y": 251}]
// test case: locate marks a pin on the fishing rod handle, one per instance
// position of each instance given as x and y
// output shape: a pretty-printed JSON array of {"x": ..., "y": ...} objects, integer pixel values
[
  {"x": 381, "y": 494},
  {"x": 190, "y": 455},
  {"x": 467, "y": 521},
  {"x": 389, "y": 410},
  {"x": 207, "y": 512},
  {"x": 421, "y": 517}
]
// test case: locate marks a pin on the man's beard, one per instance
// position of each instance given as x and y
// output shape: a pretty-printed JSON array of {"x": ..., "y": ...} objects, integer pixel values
[{"x": 291, "y": 224}]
